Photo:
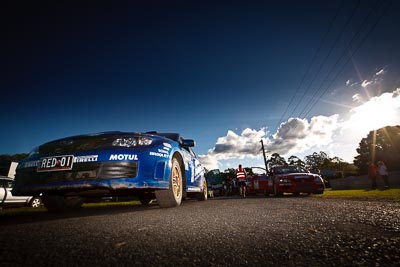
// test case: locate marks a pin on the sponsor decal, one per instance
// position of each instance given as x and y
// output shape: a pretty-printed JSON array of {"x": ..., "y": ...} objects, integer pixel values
[
  {"x": 167, "y": 146},
  {"x": 88, "y": 158},
  {"x": 163, "y": 151},
  {"x": 123, "y": 157},
  {"x": 31, "y": 164},
  {"x": 159, "y": 154}
]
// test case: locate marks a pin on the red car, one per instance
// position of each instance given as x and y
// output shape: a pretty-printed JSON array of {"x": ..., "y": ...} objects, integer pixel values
[
  {"x": 258, "y": 182},
  {"x": 294, "y": 179}
]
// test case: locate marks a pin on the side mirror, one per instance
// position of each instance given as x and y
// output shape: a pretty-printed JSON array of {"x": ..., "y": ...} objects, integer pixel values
[{"x": 188, "y": 143}]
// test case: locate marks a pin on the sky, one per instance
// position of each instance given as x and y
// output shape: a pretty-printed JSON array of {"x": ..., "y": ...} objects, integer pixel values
[{"x": 303, "y": 76}]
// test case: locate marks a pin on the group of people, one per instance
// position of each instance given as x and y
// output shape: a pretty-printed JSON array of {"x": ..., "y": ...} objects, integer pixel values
[{"x": 378, "y": 170}]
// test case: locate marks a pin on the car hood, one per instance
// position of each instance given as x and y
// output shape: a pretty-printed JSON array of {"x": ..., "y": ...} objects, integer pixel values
[{"x": 89, "y": 142}]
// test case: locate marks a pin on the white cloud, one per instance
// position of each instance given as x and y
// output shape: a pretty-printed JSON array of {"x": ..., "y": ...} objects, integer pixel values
[
  {"x": 294, "y": 136},
  {"x": 336, "y": 135},
  {"x": 299, "y": 135},
  {"x": 231, "y": 146},
  {"x": 357, "y": 98},
  {"x": 378, "y": 112},
  {"x": 365, "y": 83},
  {"x": 381, "y": 72}
]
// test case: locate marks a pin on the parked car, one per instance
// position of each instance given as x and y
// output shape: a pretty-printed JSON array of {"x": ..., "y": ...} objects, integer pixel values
[
  {"x": 72, "y": 170},
  {"x": 8, "y": 199},
  {"x": 215, "y": 182},
  {"x": 258, "y": 182},
  {"x": 294, "y": 179}
]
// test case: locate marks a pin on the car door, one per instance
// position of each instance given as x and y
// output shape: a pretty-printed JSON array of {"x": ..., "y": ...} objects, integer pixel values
[
  {"x": 8, "y": 184},
  {"x": 194, "y": 168},
  {"x": 198, "y": 170},
  {"x": 3, "y": 191}
]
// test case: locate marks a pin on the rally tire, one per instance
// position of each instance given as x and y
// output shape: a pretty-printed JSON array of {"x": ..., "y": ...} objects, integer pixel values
[{"x": 172, "y": 197}]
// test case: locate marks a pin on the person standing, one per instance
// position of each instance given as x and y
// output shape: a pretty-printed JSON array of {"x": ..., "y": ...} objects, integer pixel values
[
  {"x": 383, "y": 172},
  {"x": 372, "y": 175},
  {"x": 241, "y": 177}
]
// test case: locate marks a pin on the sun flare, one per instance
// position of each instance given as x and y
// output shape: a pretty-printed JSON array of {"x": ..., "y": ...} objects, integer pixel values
[{"x": 378, "y": 112}]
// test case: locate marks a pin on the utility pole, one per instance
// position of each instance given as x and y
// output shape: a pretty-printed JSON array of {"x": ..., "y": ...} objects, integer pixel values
[{"x": 265, "y": 158}]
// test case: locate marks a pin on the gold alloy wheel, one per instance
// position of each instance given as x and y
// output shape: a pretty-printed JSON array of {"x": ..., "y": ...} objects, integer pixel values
[
  {"x": 205, "y": 189},
  {"x": 172, "y": 197},
  {"x": 176, "y": 181}
]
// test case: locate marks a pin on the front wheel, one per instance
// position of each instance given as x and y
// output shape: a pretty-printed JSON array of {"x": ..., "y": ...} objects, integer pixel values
[{"x": 172, "y": 197}]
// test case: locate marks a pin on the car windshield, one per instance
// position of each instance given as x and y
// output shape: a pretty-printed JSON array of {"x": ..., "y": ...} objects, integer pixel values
[
  {"x": 258, "y": 171},
  {"x": 289, "y": 169},
  {"x": 213, "y": 174}
]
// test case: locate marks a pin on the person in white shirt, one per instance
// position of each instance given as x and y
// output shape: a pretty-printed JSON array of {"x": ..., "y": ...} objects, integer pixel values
[{"x": 383, "y": 172}]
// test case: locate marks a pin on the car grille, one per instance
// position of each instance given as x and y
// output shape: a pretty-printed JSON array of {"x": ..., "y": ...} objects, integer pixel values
[{"x": 82, "y": 171}]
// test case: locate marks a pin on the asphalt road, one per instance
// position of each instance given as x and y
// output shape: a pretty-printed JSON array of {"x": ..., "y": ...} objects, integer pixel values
[{"x": 288, "y": 231}]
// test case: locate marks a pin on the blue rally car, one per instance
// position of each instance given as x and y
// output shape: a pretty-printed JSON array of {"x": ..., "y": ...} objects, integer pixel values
[{"x": 69, "y": 171}]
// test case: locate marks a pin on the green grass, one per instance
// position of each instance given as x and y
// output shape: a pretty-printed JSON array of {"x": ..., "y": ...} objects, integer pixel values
[
  {"x": 11, "y": 211},
  {"x": 362, "y": 193},
  {"x": 112, "y": 203}
]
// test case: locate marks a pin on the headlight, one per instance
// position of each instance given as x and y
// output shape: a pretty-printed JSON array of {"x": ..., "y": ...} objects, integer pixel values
[
  {"x": 132, "y": 141},
  {"x": 145, "y": 141},
  {"x": 285, "y": 180}
]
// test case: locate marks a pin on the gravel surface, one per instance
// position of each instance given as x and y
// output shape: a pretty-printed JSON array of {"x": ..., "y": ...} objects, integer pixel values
[{"x": 288, "y": 231}]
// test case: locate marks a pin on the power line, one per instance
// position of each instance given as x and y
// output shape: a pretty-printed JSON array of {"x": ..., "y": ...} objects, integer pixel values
[
  {"x": 338, "y": 37},
  {"x": 351, "y": 53},
  {"x": 311, "y": 62},
  {"x": 312, "y": 99}
]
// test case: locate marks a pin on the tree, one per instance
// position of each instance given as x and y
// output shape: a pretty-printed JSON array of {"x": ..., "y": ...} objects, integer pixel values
[
  {"x": 294, "y": 160},
  {"x": 331, "y": 167},
  {"x": 276, "y": 159},
  {"x": 379, "y": 145},
  {"x": 316, "y": 161}
]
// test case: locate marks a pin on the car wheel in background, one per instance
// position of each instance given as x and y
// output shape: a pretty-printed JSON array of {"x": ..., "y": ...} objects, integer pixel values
[
  {"x": 172, "y": 197},
  {"x": 35, "y": 202}
]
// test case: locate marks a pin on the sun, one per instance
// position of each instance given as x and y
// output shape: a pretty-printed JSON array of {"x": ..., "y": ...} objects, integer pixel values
[{"x": 374, "y": 114}]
